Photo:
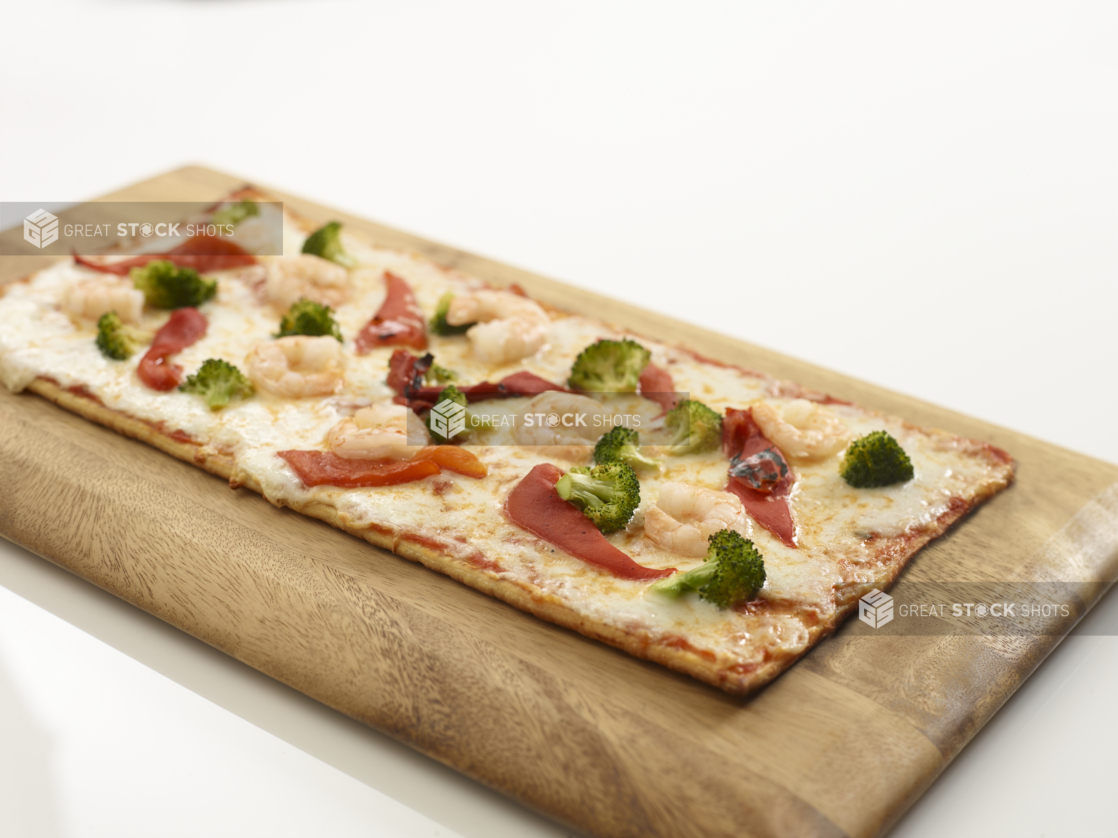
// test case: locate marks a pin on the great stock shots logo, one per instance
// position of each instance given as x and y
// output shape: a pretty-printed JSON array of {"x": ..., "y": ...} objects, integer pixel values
[
  {"x": 448, "y": 418},
  {"x": 40, "y": 228},
  {"x": 116, "y": 229},
  {"x": 875, "y": 609}
]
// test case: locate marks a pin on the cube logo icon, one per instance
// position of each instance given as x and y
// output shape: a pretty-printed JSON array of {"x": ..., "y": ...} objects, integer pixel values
[
  {"x": 875, "y": 609},
  {"x": 40, "y": 228},
  {"x": 448, "y": 418}
]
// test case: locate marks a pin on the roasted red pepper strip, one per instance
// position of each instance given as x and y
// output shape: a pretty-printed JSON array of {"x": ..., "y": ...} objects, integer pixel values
[
  {"x": 453, "y": 458},
  {"x": 405, "y": 377},
  {"x": 325, "y": 468},
  {"x": 405, "y": 373},
  {"x": 738, "y": 428},
  {"x": 656, "y": 385},
  {"x": 399, "y": 322},
  {"x": 741, "y": 437},
  {"x": 521, "y": 383},
  {"x": 536, "y": 506},
  {"x": 203, "y": 253},
  {"x": 185, "y": 327}
]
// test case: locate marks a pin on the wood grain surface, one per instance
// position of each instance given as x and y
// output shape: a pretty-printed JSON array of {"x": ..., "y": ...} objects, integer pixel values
[{"x": 841, "y": 744}]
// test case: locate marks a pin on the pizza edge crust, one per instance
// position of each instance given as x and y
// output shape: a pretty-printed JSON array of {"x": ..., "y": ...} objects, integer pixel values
[{"x": 677, "y": 655}]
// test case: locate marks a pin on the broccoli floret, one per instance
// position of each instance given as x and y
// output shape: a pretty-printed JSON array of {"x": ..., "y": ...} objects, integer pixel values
[
  {"x": 472, "y": 421},
  {"x": 608, "y": 494},
  {"x": 166, "y": 285},
  {"x": 439, "y": 375},
  {"x": 622, "y": 445},
  {"x": 876, "y": 460},
  {"x": 609, "y": 366},
  {"x": 234, "y": 214},
  {"x": 453, "y": 394},
  {"x": 438, "y": 324},
  {"x": 440, "y": 420},
  {"x": 306, "y": 317},
  {"x": 118, "y": 341},
  {"x": 326, "y": 242},
  {"x": 217, "y": 382},
  {"x": 734, "y": 570},
  {"x": 697, "y": 428}
]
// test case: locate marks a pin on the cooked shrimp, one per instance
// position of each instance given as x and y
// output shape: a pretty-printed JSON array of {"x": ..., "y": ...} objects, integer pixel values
[
  {"x": 290, "y": 278},
  {"x": 383, "y": 431},
  {"x": 510, "y": 327},
  {"x": 90, "y": 298},
  {"x": 801, "y": 429},
  {"x": 261, "y": 233},
  {"x": 562, "y": 419},
  {"x": 685, "y": 516},
  {"x": 298, "y": 366}
]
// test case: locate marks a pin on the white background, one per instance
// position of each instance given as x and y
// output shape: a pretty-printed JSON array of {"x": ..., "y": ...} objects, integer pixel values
[{"x": 924, "y": 198}]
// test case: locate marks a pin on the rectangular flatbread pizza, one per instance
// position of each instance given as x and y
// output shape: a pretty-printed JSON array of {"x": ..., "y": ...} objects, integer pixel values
[{"x": 693, "y": 513}]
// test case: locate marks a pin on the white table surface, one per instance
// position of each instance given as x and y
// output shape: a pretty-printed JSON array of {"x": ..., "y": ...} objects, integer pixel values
[{"x": 929, "y": 195}]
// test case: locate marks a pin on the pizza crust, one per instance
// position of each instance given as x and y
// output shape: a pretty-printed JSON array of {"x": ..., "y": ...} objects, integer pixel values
[{"x": 88, "y": 407}]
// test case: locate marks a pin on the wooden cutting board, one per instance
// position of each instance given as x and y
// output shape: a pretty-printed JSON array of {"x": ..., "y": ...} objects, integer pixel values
[{"x": 842, "y": 744}]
